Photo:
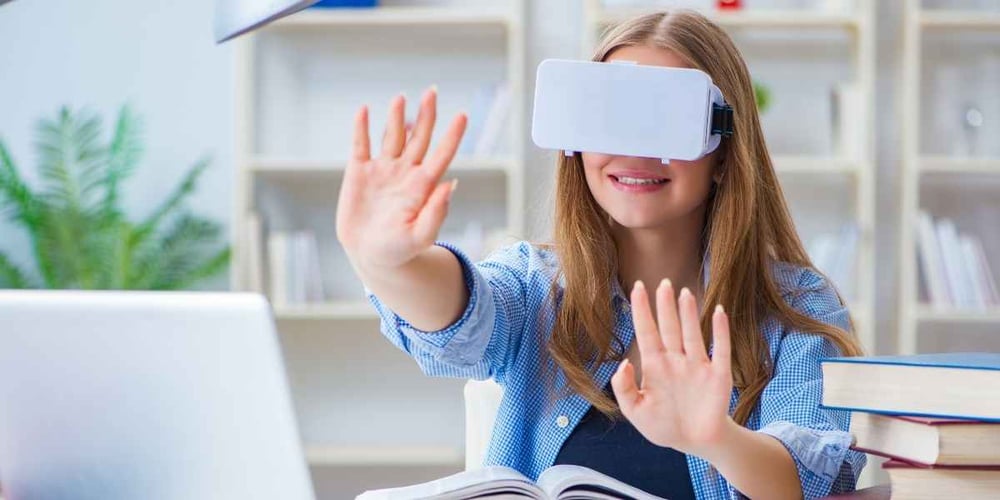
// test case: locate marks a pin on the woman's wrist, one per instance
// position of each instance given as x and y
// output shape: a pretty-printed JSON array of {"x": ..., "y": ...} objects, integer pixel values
[{"x": 721, "y": 443}]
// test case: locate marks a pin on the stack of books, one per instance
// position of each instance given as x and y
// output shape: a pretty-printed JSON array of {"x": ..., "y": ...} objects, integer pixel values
[{"x": 935, "y": 416}]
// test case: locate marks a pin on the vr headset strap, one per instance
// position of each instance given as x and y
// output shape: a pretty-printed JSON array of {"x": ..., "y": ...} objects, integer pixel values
[{"x": 722, "y": 120}]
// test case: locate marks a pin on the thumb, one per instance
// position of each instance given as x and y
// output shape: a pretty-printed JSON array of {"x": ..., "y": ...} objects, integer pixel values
[
  {"x": 623, "y": 385},
  {"x": 431, "y": 217}
]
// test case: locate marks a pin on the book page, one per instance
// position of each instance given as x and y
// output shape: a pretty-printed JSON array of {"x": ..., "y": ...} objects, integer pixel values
[
  {"x": 489, "y": 482},
  {"x": 568, "y": 482}
]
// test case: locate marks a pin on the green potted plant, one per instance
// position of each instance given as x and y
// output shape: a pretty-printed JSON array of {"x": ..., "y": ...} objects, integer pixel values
[
  {"x": 762, "y": 95},
  {"x": 80, "y": 236}
]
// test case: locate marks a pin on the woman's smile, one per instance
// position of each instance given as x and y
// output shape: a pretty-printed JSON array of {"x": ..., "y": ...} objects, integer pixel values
[{"x": 633, "y": 181}]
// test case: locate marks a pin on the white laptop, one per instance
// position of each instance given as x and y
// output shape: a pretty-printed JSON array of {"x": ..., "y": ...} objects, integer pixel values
[{"x": 144, "y": 395}]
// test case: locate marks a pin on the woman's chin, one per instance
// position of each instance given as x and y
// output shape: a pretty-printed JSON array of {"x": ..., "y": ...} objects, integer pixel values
[{"x": 640, "y": 221}]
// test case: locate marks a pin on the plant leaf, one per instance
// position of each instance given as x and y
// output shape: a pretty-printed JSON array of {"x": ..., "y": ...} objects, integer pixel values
[
  {"x": 15, "y": 195},
  {"x": 210, "y": 267},
  {"x": 11, "y": 276},
  {"x": 177, "y": 254},
  {"x": 187, "y": 186},
  {"x": 124, "y": 154},
  {"x": 70, "y": 159}
]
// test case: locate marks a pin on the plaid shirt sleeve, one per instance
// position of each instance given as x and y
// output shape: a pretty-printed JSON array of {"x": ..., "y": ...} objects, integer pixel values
[
  {"x": 485, "y": 338},
  {"x": 816, "y": 437}
]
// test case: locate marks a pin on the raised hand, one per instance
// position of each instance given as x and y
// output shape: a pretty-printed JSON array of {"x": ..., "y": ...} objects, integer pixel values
[
  {"x": 683, "y": 400},
  {"x": 391, "y": 207}
]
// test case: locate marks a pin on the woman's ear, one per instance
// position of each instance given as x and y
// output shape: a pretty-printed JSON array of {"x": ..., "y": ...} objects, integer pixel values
[
  {"x": 718, "y": 170},
  {"x": 718, "y": 174}
]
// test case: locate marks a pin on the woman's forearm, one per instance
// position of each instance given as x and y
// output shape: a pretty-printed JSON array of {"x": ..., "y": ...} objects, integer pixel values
[
  {"x": 757, "y": 464},
  {"x": 429, "y": 292}
]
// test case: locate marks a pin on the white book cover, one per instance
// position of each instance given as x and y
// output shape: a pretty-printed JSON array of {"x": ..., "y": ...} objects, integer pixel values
[
  {"x": 479, "y": 109},
  {"x": 976, "y": 276},
  {"x": 277, "y": 251},
  {"x": 299, "y": 261},
  {"x": 253, "y": 244},
  {"x": 989, "y": 279},
  {"x": 314, "y": 274},
  {"x": 932, "y": 262},
  {"x": 493, "y": 127},
  {"x": 952, "y": 255}
]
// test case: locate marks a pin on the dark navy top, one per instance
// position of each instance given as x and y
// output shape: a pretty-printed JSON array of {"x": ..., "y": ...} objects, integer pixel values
[{"x": 615, "y": 448}]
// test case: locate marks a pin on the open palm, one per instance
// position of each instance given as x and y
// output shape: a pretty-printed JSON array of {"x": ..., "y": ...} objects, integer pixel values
[
  {"x": 683, "y": 400},
  {"x": 391, "y": 207}
]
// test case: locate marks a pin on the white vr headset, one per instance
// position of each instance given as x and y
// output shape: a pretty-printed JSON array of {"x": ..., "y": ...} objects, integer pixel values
[{"x": 624, "y": 108}]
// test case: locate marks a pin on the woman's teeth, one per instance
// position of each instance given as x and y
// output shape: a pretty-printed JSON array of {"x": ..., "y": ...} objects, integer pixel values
[{"x": 637, "y": 182}]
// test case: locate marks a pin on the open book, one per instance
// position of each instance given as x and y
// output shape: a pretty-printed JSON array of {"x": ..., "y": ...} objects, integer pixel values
[{"x": 559, "y": 482}]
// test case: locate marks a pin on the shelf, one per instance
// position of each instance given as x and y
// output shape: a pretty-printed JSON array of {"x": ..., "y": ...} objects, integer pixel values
[
  {"x": 814, "y": 164},
  {"x": 958, "y": 19},
  {"x": 327, "y": 311},
  {"x": 958, "y": 165},
  {"x": 391, "y": 16},
  {"x": 751, "y": 18},
  {"x": 331, "y": 456},
  {"x": 930, "y": 314},
  {"x": 292, "y": 167}
]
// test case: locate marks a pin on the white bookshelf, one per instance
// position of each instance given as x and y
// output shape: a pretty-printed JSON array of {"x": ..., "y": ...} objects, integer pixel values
[
  {"x": 810, "y": 174},
  {"x": 397, "y": 15},
  {"x": 332, "y": 456},
  {"x": 749, "y": 18},
  {"x": 362, "y": 405},
  {"x": 933, "y": 179},
  {"x": 341, "y": 310},
  {"x": 292, "y": 166},
  {"x": 930, "y": 314}
]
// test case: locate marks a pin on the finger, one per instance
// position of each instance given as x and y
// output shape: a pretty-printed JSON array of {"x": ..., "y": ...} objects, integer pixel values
[
  {"x": 432, "y": 215},
  {"x": 626, "y": 391},
  {"x": 416, "y": 147},
  {"x": 392, "y": 141},
  {"x": 646, "y": 335},
  {"x": 694, "y": 345},
  {"x": 666, "y": 317},
  {"x": 351, "y": 188},
  {"x": 361, "y": 150},
  {"x": 721, "y": 342},
  {"x": 439, "y": 160}
]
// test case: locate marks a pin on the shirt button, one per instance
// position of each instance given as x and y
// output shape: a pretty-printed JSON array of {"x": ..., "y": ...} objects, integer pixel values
[
  {"x": 626, "y": 307},
  {"x": 562, "y": 421}
]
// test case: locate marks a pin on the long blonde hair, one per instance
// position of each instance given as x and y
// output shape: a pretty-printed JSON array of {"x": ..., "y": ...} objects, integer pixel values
[{"x": 748, "y": 229}]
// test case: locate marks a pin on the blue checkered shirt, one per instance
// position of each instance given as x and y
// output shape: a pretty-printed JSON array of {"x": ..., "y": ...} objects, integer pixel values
[{"x": 502, "y": 335}]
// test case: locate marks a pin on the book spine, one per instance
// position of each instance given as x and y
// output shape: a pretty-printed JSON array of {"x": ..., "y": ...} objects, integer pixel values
[
  {"x": 277, "y": 246},
  {"x": 253, "y": 242},
  {"x": 989, "y": 279},
  {"x": 948, "y": 237},
  {"x": 298, "y": 267},
  {"x": 316, "y": 291},
  {"x": 932, "y": 263},
  {"x": 479, "y": 111},
  {"x": 493, "y": 126},
  {"x": 972, "y": 269}
]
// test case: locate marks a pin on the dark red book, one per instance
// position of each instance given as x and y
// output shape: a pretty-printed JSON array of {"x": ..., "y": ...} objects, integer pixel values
[{"x": 927, "y": 441}]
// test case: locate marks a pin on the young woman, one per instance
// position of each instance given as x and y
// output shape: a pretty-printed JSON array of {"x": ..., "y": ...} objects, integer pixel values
[{"x": 622, "y": 383}]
